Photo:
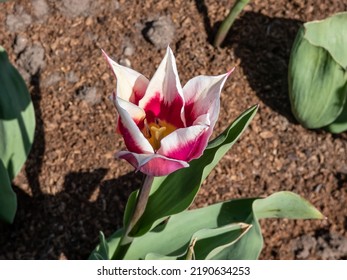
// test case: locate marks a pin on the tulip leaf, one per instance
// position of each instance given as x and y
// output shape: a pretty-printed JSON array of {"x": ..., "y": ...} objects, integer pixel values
[
  {"x": 102, "y": 253},
  {"x": 285, "y": 205},
  {"x": 340, "y": 124},
  {"x": 17, "y": 117},
  {"x": 317, "y": 75},
  {"x": 206, "y": 243},
  {"x": 17, "y": 125},
  {"x": 8, "y": 199},
  {"x": 336, "y": 41},
  {"x": 174, "y": 193},
  {"x": 317, "y": 83},
  {"x": 227, "y": 230}
]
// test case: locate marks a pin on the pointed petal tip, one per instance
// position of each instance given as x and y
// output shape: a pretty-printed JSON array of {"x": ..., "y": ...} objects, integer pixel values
[
  {"x": 230, "y": 71},
  {"x": 105, "y": 55}
]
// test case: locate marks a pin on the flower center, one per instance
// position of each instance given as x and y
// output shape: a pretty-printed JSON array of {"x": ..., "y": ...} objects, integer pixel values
[{"x": 156, "y": 131}]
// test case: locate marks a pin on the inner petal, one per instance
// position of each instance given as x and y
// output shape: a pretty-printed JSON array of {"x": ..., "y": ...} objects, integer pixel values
[{"x": 157, "y": 108}]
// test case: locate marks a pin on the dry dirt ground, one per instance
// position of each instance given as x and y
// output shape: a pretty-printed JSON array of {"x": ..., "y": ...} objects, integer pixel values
[{"x": 71, "y": 187}]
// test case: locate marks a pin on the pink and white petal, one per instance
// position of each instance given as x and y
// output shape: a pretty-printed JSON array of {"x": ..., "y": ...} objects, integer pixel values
[
  {"x": 134, "y": 140},
  {"x": 136, "y": 113},
  {"x": 152, "y": 164},
  {"x": 164, "y": 95},
  {"x": 184, "y": 143},
  {"x": 203, "y": 120},
  {"x": 131, "y": 85},
  {"x": 202, "y": 96}
]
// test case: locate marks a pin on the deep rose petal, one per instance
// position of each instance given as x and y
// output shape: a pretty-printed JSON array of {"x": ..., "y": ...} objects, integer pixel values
[
  {"x": 164, "y": 96},
  {"x": 202, "y": 96},
  {"x": 184, "y": 143},
  {"x": 152, "y": 164},
  {"x": 134, "y": 140},
  {"x": 131, "y": 85}
]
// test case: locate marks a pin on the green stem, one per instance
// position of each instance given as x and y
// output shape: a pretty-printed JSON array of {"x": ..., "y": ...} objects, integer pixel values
[
  {"x": 228, "y": 21},
  {"x": 139, "y": 209}
]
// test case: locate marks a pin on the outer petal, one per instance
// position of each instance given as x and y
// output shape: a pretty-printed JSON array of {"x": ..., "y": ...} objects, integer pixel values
[
  {"x": 131, "y": 85},
  {"x": 202, "y": 96},
  {"x": 164, "y": 96},
  {"x": 152, "y": 164},
  {"x": 184, "y": 143},
  {"x": 134, "y": 140}
]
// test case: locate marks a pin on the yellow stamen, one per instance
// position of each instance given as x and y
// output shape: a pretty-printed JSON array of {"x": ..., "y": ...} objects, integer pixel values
[{"x": 156, "y": 131}]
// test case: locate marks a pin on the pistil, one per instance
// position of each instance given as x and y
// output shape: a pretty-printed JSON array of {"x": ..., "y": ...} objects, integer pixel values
[{"x": 157, "y": 134}]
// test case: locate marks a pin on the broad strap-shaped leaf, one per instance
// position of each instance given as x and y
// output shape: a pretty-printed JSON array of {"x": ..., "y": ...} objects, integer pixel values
[
  {"x": 336, "y": 42},
  {"x": 340, "y": 124},
  {"x": 285, "y": 205},
  {"x": 279, "y": 205},
  {"x": 17, "y": 117},
  {"x": 317, "y": 83},
  {"x": 220, "y": 229},
  {"x": 172, "y": 238},
  {"x": 174, "y": 193},
  {"x": 8, "y": 198},
  {"x": 206, "y": 243},
  {"x": 317, "y": 74},
  {"x": 17, "y": 125}
]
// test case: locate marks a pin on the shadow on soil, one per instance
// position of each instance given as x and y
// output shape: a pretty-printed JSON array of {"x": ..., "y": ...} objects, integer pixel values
[
  {"x": 57, "y": 225},
  {"x": 263, "y": 44}
]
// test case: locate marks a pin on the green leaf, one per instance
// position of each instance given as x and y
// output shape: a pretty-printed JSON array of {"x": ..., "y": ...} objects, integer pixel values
[
  {"x": 317, "y": 73},
  {"x": 224, "y": 28},
  {"x": 173, "y": 237},
  {"x": 279, "y": 205},
  {"x": 285, "y": 205},
  {"x": 103, "y": 248},
  {"x": 340, "y": 124},
  {"x": 8, "y": 198},
  {"x": 228, "y": 230},
  {"x": 206, "y": 243},
  {"x": 336, "y": 42},
  {"x": 174, "y": 193},
  {"x": 17, "y": 125},
  {"x": 17, "y": 118}
]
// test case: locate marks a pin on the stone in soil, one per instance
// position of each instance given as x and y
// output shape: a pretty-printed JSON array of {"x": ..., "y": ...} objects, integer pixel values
[
  {"x": 40, "y": 9},
  {"x": 159, "y": 32},
  {"x": 31, "y": 61},
  {"x": 19, "y": 20},
  {"x": 88, "y": 94}
]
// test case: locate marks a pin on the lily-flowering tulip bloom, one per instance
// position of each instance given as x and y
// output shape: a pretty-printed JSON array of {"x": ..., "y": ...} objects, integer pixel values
[{"x": 164, "y": 126}]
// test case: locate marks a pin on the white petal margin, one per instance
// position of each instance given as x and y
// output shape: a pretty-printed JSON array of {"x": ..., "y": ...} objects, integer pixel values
[
  {"x": 183, "y": 143},
  {"x": 202, "y": 94},
  {"x": 135, "y": 112},
  {"x": 131, "y": 85},
  {"x": 165, "y": 81},
  {"x": 152, "y": 164},
  {"x": 133, "y": 137}
]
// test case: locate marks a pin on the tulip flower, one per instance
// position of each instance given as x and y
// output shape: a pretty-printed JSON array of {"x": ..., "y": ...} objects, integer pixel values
[{"x": 164, "y": 126}]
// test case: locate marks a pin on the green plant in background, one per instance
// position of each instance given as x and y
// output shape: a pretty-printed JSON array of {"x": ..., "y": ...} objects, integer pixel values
[
  {"x": 228, "y": 21},
  {"x": 317, "y": 74},
  {"x": 163, "y": 125},
  {"x": 17, "y": 126}
]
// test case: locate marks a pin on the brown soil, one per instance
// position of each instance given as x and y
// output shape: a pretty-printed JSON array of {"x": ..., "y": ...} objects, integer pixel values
[{"x": 71, "y": 187}]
